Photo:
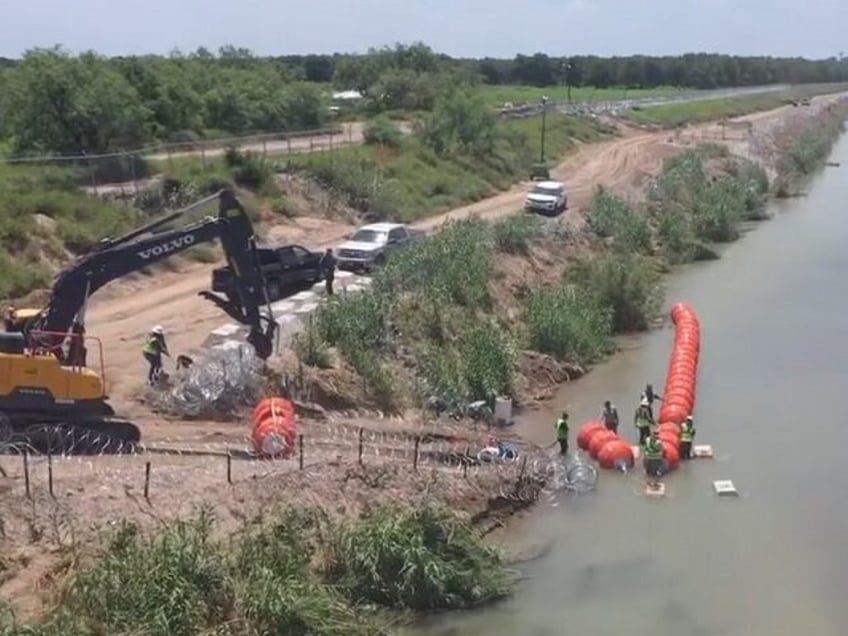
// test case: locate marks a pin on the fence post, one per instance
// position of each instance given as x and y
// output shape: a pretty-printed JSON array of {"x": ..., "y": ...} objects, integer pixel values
[
  {"x": 361, "y": 433},
  {"x": 50, "y": 472},
  {"x": 300, "y": 451},
  {"x": 147, "y": 480},
  {"x": 415, "y": 457},
  {"x": 203, "y": 156},
  {"x": 288, "y": 145},
  {"x": 26, "y": 474},
  {"x": 465, "y": 462},
  {"x": 264, "y": 147},
  {"x": 523, "y": 467},
  {"x": 229, "y": 469}
]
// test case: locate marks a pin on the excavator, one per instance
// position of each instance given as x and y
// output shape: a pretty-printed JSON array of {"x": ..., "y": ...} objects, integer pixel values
[{"x": 49, "y": 396}]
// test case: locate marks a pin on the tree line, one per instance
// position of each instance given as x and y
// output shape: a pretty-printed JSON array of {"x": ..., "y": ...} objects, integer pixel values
[{"x": 55, "y": 102}]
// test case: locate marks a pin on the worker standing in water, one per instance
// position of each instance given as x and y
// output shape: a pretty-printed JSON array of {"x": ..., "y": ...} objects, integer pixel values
[
  {"x": 651, "y": 396},
  {"x": 644, "y": 420},
  {"x": 561, "y": 428},
  {"x": 609, "y": 416},
  {"x": 687, "y": 436},
  {"x": 654, "y": 462},
  {"x": 154, "y": 348}
]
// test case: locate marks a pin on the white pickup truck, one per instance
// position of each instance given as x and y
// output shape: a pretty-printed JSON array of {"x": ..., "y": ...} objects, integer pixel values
[
  {"x": 547, "y": 197},
  {"x": 371, "y": 244}
]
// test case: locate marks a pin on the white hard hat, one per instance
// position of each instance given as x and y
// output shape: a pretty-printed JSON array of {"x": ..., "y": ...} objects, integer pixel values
[
  {"x": 688, "y": 418},
  {"x": 644, "y": 402},
  {"x": 158, "y": 330}
]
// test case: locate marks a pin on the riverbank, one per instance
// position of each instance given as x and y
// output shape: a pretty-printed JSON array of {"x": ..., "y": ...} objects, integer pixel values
[{"x": 515, "y": 245}]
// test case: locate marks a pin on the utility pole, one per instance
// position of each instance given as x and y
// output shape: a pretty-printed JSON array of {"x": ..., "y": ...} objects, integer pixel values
[
  {"x": 565, "y": 73},
  {"x": 544, "y": 112}
]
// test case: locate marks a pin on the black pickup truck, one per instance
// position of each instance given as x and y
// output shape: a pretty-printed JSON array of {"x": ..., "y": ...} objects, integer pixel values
[{"x": 285, "y": 268}]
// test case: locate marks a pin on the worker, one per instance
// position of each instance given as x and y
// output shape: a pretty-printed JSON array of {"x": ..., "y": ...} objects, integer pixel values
[
  {"x": 654, "y": 462},
  {"x": 153, "y": 350},
  {"x": 328, "y": 268},
  {"x": 644, "y": 420},
  {"x": 651, "y": 396},
  {"x": 687, "y": 436},
  {"x": 609, "y": 416},
  {"x": 561, "y": 428}
]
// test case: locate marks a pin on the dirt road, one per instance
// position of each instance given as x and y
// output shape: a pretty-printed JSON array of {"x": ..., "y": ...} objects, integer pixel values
[{"x": 121, "y": 316}]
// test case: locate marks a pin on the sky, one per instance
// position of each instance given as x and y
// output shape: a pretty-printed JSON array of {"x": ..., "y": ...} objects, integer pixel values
[{"x": 463, "y": 28}]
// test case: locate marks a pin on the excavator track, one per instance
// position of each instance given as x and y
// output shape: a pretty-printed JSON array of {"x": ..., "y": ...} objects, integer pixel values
[{"x": 95, "y": 435}]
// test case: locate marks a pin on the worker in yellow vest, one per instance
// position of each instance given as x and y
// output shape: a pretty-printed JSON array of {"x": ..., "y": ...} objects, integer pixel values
[
  {"x": 654, "y": 462},
  {"x": 687, "y": 436},
  {"x": 644, "y": 420},
  {"x": 154, "y": 348}
]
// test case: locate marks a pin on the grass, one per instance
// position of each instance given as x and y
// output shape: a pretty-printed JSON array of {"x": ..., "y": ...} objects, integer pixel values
[
  {"x": 500, "y": 95},
  {"x": 298, "y": 573},
  {"x": 434, "y": 300},
  {"x": 407, "y": 181},
  {"x": 672, "y": 115}
]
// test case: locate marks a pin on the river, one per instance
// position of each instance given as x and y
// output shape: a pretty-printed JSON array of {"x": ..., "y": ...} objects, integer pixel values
[{"x": 774, "y": 365}]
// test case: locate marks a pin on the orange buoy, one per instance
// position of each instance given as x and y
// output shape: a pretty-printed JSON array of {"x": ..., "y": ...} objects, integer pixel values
[
  {"x": 671, "y": 438},
  {"x": 587, "y": 431},
  {"x": 616, "y": 453},
  {"x": 671, "y": 455},
  {"x": 274, "y": 430},
  {"x": 598, "y": 440},
  {"x": 668, "y": 427}
]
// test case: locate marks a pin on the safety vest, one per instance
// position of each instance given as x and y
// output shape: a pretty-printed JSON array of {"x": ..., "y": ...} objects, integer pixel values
[
  {"x": 561, "y": 427},
  {"x": 643, "y": 417},
  {"x": 653, "y": 449},
  {"x": 152, "y": 346},
  {"x": 687, "y": 432}
]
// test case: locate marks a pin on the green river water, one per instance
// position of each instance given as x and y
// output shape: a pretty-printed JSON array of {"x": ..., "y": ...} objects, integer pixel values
[{"x": 771, "y": 400}]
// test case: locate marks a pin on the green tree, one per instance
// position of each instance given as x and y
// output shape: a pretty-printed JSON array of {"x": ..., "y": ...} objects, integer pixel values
[
  {"x": 62, "y": 104},
  {"x": 460, "y": 122}
]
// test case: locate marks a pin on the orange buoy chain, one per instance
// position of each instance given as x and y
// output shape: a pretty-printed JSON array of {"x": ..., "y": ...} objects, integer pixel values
[
  {"x": 609, "y": 448},
  {"x": 274, "y": 432}
]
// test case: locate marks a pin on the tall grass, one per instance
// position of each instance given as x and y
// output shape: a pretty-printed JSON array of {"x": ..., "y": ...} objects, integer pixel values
[
  {"x": 569, "y": 323},
  {"x": 611, "y": 216},
  {"x": 298, "y": 573}
]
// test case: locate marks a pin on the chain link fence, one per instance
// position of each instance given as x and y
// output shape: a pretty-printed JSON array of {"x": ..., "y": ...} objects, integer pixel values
[{"x": 127, "y": 173}]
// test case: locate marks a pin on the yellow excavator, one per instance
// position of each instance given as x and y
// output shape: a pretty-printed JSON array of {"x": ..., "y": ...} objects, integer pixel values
[{"x": 51, "y": 400}]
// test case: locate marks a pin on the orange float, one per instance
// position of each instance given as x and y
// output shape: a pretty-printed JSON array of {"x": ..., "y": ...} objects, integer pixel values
[
  {"x": 670, "y": 438},
  {"x": 671, "y": 455},
  {"x": 598, "y": 440},
  {"x": 668, "y": 427},
  {"x": 615, "y": 453},
  {"x": 274, "y": 431},
  {"x": 587, "y": 431},
  {"x": 679, "y": 396}
]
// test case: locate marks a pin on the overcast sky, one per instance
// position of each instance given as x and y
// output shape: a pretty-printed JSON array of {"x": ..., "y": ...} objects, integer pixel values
[{"x": 474, "y": 28}]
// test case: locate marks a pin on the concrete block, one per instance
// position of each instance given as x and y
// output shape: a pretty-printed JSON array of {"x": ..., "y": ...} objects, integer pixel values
[
  {"x": 230, "y": 329},
  {"x": 702, "y": 451}
]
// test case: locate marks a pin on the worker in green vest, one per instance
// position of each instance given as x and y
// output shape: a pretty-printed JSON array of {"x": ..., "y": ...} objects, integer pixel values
[
  {"x": 561, "y": 428},
  {"x": 687, "y": 436},
  {"x": 654, "y": 462},
  {"x": 154, "y": 348},
  {"x": 644, "y": 420}
]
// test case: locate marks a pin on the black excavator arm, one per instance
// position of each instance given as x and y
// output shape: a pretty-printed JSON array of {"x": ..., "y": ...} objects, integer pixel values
[{"x": 114, "y": 258}]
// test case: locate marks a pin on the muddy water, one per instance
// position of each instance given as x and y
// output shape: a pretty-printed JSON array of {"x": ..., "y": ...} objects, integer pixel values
[{"x": 773, "y": 389}]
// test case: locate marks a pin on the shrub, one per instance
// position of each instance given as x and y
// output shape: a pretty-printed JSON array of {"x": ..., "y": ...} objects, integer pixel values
[
  {"x": 173, "y": 584},
  {"x": 514, "y": 233},
  {"x": 568, "y": 323},
  {"x": 382, "y": 131},
  {"x": 628, "y": 284},
  {"x": 422, "y": 559},
  {"x": 250, "y": 170},
  {"x": 611, "y": 216}
]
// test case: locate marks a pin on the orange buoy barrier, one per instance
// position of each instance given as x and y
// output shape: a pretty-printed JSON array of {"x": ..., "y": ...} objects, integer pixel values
[
  {"x": 274, "y": 429},
  {"x": 598, "y": 440},
  {"x": 587, "y": 431},
  {"x": 616, "y": 453},
  {"x": 681, "y": 381}
]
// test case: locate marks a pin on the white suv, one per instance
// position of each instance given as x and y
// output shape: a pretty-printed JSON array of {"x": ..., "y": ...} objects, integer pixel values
[{"x": 547, "y": 197}]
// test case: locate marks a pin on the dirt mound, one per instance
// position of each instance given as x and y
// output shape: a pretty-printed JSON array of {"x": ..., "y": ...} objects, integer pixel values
[{"x": 541, "y": 375}]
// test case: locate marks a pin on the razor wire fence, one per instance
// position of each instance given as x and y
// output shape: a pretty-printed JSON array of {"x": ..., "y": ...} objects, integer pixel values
[{"x": 186, "y": 467}]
